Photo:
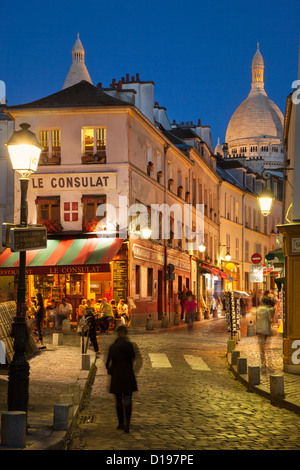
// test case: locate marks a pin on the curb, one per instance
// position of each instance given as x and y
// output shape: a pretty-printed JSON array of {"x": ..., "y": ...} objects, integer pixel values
[
  {"x": 159, "y": 329},
  {"x": 262, "y": 390}
]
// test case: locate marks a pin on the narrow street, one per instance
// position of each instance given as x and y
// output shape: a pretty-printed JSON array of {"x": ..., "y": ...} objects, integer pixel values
[{"x": 187, "y": 400}]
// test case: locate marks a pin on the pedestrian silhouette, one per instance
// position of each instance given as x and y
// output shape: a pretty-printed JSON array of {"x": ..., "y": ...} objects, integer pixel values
[
  {"x": 120, "y": 365},
  {"x": 263, "y": 330}
]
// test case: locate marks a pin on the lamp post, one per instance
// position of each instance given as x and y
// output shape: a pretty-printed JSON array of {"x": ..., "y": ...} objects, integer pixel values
[{"x": 24, "y": 151}]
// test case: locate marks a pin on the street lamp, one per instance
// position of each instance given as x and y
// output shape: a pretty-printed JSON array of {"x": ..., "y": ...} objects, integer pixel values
[
  {"x": 24, "y": 151},
  {"x": 265, "y": 200},
  {"x": 227, "y": 256},
  {"x": 202, "y": 248}
]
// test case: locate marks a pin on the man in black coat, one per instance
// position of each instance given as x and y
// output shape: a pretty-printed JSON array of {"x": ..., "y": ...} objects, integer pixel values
[{"x": 119, "y": 365}]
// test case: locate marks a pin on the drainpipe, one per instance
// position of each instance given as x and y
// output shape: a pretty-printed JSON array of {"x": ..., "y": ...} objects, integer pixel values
[{"x": 166, "y": 147}]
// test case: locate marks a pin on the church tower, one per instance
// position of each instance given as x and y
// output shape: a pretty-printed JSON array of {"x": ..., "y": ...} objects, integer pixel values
[{"x": 78, "y": 70}]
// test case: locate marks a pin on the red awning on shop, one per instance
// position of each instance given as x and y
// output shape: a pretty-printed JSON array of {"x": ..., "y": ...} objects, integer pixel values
[{"x": 81, "y": 255}]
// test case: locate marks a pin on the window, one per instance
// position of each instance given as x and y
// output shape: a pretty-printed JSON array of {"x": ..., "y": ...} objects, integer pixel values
[
  {"x": 48, "y": 208},
  {"x": 228, "y": 242},
  {"x": 264, "y": 148},
  {"x": 253, "y": 148},
  {"x": 275, "y": 149},
  {"x": 137, "y": 279},
  {"x": 150, "y": 282},
  {"x": 70, "y": 211},
  {"x": 243, "y": 149},
  {"x": 247, "y": 251},
  {"x": 51, "y": 152},
  {"x": 94, "y": 145},
  {"x": 90, "y": 205}
]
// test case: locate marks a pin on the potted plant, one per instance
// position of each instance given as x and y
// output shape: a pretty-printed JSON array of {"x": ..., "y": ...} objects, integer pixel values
[
  {"x": 52, "y": 225},
  {"x": 170, "y": 183},
  {"x": 180, "y": 190},
  {"x": 90, "y": 225}
]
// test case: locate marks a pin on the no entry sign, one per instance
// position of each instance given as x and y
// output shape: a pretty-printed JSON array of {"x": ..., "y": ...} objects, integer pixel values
[{"x": 256, "y": 258}]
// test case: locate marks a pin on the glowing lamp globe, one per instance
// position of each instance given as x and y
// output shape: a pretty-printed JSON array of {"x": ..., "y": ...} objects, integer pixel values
[
  {"x": 265, "y": 201},
  {"x": 146, "y": 233},
  {"x": 202, "y": 248},
  {"x": 228, "y": 256},
  {"x": 24, "y": 150}
]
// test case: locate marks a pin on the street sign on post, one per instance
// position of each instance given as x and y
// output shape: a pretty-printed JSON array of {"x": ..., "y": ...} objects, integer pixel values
[
  {"x": 28, "y": 238},
  {"x": 6, "y": 234},
  {"x": 256, "y": 273},
  {"x": 256, "y": 258}
]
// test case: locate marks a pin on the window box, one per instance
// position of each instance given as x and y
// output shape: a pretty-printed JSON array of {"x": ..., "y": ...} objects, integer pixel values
[
  {"x": 180, "y": 191},
  {"x": 52, "y": 225}
]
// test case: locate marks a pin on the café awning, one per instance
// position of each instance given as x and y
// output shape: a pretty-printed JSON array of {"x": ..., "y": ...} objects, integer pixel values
[{"x": 81, "y": 255}]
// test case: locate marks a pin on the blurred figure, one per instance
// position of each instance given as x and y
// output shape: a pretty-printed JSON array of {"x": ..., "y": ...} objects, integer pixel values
[
  {"x": 263, "y": 330},
  {"x": 39, "y": 314},
  {"x": 123, "y": 312},
  {"x": 64, "y": 310},
  {"x": 52, "y": 313},
  {"x": 190, "y": 308},
  {"x": 120, "y": 365},
  {"x": 114, "y": 308},
  {"x": 106, "y": 313},
  {"x": 182, "y": 297}
]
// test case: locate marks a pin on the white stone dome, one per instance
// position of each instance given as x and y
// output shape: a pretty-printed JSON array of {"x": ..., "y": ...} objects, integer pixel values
[
  {"x": 257, "y": 117},
  {"x": 256, "y": 126}
]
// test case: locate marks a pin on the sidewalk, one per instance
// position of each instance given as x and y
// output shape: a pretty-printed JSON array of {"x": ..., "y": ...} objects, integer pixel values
[
  {"x": 51, "y": 372},
  {"x": 249, "y": 349}
]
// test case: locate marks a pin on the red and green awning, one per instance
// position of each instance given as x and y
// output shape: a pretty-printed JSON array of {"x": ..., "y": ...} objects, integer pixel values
[{"x": 82, "y": 255}]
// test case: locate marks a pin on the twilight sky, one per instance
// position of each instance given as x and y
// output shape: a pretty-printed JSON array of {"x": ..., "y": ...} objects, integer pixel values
[{"x": 198, "y": 53}]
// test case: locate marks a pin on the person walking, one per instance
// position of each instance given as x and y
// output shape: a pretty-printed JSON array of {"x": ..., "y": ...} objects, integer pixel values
[
  {"x": 263, "y": 329},
  {"x": 39, "y": 313},
  {"x": 120, "y": 365},
  {"x": 190, "y": 308}
]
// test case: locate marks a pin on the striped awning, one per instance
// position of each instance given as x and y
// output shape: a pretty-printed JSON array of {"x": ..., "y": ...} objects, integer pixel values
[{"x": 80, "y": 255}]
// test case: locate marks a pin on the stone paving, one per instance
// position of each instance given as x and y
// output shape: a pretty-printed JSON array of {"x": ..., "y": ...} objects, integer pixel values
[
  {"x": 175, "y": 408},
  {"x": 183, "y": 409}
]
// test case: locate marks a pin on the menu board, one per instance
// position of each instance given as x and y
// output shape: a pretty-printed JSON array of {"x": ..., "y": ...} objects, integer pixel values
[{"x": 120, "y": 280}]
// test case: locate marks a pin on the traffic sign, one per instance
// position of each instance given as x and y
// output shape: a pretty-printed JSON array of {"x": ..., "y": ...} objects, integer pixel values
[
  {"x": 256, "y": 258},
  {"x": 28, "y": 238},
  {"x": 256, "y": 273}
]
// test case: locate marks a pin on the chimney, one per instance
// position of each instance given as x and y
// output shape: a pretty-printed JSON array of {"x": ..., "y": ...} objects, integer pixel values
[
  {"x": 132, "y": 78},
  {"x": 119, "y": 86},
  {"x": 113, "y": 83},
  {"x": 156, "y": 105},
  {"x": 137, "y": 77},
  {"x": 127, "y": 77},
  {"x": 199, "y": 122},
  {"x": 99, "y": 85}
]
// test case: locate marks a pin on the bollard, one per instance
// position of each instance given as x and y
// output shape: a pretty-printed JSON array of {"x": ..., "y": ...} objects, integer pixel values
[
  {"x": 74, "y": 389},
  {"x": 164, "y": 321},
  {"x": 13, "y": 429},
  {"x": 230, "y": 345},
  {"x": 253, "y": 375},
  {"x": 57, "y": 339},
  {"x": 276, "y": 386},
  {"x": 68, "y": 399},
  {"x": 176, "y": 319},
  {"x": 85, "y": 361},
  {"x": 234, "y": 357},
  {"x": 250, "y": 329},
  {"x": 60, "y": 416},
  {"x": 149, "y": 323},
  {"x": 242, "y": 365}
]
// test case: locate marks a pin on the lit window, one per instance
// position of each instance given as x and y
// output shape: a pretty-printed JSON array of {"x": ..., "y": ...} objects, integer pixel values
[
  {"x": 94, "y": 144},
  {"x": 51, "y": 142}
]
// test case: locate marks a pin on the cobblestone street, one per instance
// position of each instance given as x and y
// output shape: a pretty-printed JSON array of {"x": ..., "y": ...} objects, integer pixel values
[{"x": 187, "y": 401}]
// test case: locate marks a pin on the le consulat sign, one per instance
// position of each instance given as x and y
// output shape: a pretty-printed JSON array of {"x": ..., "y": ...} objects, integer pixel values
[{"x": 74, "y": 181}]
